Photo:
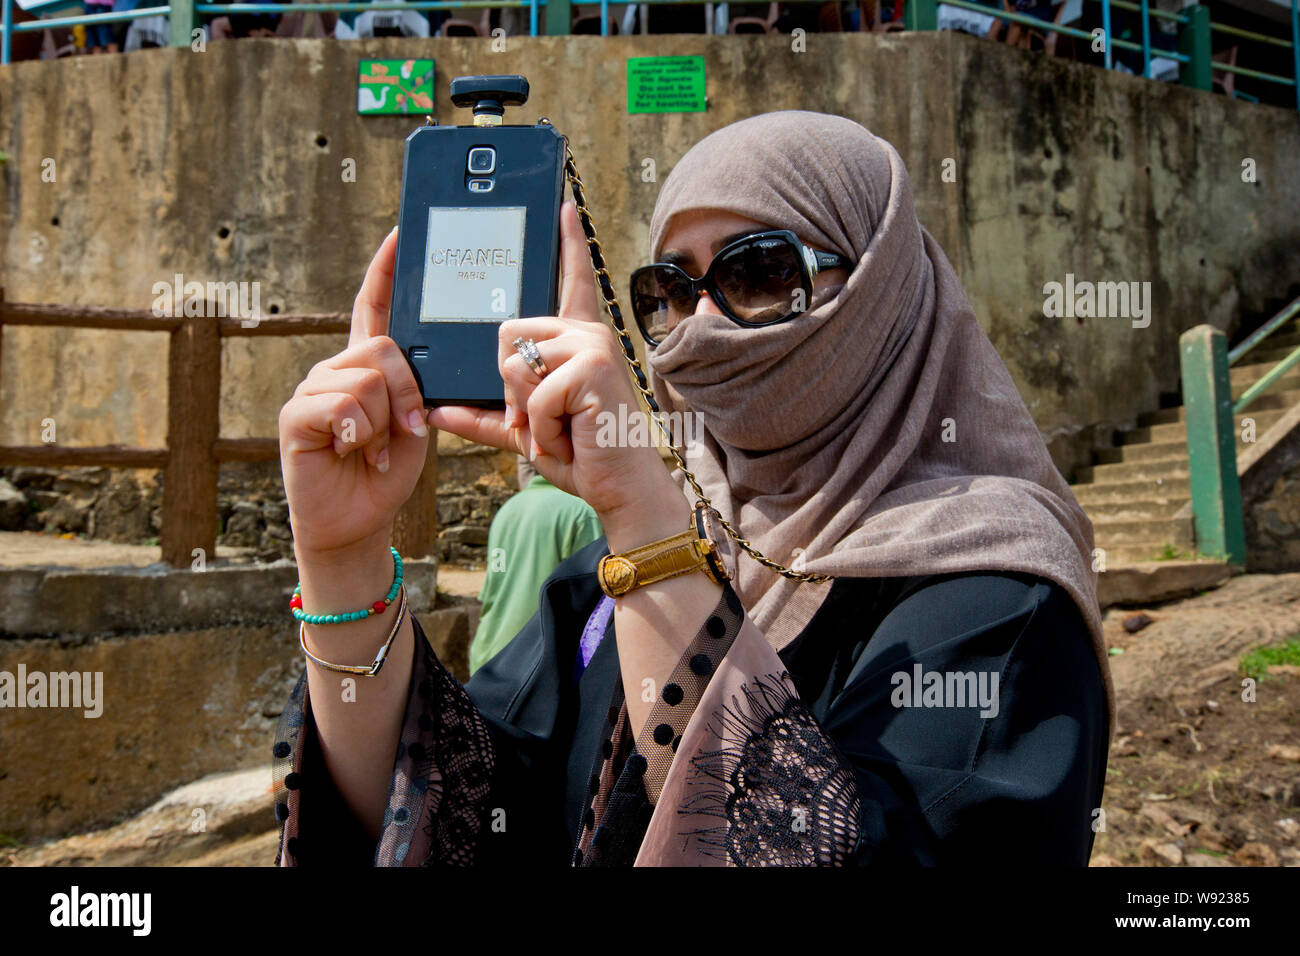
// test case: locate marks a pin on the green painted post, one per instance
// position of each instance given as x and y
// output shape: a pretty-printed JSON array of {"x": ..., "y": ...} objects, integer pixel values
[
  {"x": 1211, "y": 444},
  {"x": 1194, "y": 43},
  {"x": 181, "y": 22},
  {"x": 921, "y": 15},
  {"x": 559, "y": 18}
]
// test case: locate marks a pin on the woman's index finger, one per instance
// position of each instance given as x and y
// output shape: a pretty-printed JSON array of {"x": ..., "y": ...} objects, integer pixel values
[
  {"x": 370, "y": 310},
  {"x": 578, "y": 284}
]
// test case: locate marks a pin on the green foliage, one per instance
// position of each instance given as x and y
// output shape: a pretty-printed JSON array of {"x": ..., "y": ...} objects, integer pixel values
[
  {"x": 1172, "y": 553},
  {"x": 1257, "y": 662}
]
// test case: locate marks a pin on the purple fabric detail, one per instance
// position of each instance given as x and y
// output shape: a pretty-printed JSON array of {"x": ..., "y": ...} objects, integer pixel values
[{"x": 594, "y": 632}]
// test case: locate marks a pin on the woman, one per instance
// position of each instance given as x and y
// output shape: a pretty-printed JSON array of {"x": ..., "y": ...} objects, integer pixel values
[{"x": 930, "y": 686}]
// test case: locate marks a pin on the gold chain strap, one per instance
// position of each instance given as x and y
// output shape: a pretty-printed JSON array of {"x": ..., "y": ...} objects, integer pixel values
[{"x": 638, "y": 374}]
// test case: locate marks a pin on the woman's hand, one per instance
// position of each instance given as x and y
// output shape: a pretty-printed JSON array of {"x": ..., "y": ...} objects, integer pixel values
[
  {"x": 353, "y": 437},
  {"x": 562, "y": 421}
]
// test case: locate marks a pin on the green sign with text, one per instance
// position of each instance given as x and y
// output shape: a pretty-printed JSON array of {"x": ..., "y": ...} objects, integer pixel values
[
  {"x": 394, "y": 86},
  {"x": 665, "y": 84}
]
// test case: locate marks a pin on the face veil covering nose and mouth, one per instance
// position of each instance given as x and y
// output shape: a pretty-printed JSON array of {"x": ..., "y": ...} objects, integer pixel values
[{"x": 878, "y": 433}]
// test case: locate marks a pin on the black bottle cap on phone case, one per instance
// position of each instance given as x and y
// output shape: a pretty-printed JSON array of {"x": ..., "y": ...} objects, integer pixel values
[{"x": 489, "y": 95}]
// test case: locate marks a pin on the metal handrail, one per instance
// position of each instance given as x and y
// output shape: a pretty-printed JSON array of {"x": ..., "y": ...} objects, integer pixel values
[
  {"x": 91, "y": 19},
  {"x": 1136, "y": 8},
  {"x": 1267, "y": 380},
  {"x": 354, "y": 6},
  {"x": 7, "y": 28},
  {"x": 1257, "y": 37},
  {"x": 1137, "y": 47},
  {"x": 1276, "y": 372},
  {"x": 1214, "y": 27},
  {"x": 1017, "y": 18},
  {"x": 1255, "y": 74},
  {"x": 1264, "y": 331}
]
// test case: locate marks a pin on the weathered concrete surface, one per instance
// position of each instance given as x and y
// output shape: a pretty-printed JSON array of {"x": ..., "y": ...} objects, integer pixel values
[
  {"x": 174, "y": 162},
  {"x": 1112, "y": 178},
  {"x": 1153, "y": 581},
  {"x": 204, "y": 823},
  {"x": 175, "y": 706},
  {"x": 36, "y": 602},
  {"x": 28, "y": 548}
]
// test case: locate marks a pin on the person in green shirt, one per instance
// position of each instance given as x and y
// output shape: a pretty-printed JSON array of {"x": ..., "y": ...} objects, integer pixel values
[{"x": 536, "y": 529}]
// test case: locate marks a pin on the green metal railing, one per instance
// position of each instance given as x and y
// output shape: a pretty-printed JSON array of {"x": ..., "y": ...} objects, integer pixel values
[
  {"x": 1211, "y": 433},
  {"x": 8, "y": 28},
  {"x": 1277, "y": 371},
  {"x": 1211, "y": 444},
  {"x": 1194, "y": 58},
  {"x": 183, "y": 14}
]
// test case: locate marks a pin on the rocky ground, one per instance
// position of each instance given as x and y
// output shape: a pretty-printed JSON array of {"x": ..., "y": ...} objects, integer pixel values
[
  {"x": 221, "y": 820},
  {"x": 1198, "y": 775}
]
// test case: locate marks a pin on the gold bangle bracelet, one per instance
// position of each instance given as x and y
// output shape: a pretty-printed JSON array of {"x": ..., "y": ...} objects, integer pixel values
[{"x": 365, "y": 670}]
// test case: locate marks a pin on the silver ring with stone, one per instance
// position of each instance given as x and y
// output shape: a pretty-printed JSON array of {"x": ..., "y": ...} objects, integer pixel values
[{"x": 528, "y": 349}]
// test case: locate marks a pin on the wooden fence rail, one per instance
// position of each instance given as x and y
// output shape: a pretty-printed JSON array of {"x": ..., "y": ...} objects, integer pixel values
[{"x": 195, "y": 448}]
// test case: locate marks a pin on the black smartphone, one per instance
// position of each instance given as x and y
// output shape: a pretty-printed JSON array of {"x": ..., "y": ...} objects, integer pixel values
[{"x": 478, "y": 240}]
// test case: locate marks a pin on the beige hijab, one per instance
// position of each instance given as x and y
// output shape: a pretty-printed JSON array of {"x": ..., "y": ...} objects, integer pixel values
[{"x": 879, "y": 433}]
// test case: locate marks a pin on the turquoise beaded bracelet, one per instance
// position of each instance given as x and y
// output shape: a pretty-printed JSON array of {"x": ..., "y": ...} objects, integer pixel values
[{"x": 295, "y": 603}]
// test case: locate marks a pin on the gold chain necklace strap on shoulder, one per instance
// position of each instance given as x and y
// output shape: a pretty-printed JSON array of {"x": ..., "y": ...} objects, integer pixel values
[{"x": 638, "y": 374}]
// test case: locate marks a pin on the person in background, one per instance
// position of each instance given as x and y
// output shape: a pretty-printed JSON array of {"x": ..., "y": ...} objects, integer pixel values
[
  {"x": 531, "y": 534},
  {"x": 798, "y": 15},
  {"x": 238, "y": 26},
  {"x": 120, "y": 29},
  {"x": 305, "y": 23},
  {"x": 99, "y": 36}
]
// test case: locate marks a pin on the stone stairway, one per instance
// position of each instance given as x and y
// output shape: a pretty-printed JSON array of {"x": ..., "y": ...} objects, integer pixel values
[{"x": 1135, "y": 491}]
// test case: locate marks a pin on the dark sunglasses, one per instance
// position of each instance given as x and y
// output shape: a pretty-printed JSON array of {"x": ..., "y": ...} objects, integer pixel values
[{"x": 759, "y": 280}]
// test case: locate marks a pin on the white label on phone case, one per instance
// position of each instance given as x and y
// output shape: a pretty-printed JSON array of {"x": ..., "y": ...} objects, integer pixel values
[{"x": 473, "y": 264}]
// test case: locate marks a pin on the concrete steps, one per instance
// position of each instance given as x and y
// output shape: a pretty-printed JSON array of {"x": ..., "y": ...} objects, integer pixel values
[
  {"x": 1134, "y": 492},
  {"x": 1129, "y": 509},
  {"x": 1176, "y": 431},
  {"x": 1280, "y": 399}
]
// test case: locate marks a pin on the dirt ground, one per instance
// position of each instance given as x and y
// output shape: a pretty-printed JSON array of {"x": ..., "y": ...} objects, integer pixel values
[{"x": 1200, "y": 775}]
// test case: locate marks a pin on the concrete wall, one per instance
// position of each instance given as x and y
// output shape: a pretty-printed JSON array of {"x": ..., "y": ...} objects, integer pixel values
[
  {"x": 226, "y": 166},
  {"x": 195, "y": 670},
  {"x": 1071, "y": 169}
]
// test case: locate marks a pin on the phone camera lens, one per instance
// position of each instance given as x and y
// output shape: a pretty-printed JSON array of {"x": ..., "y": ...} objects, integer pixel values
[{"x": 482, "y": 159}]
